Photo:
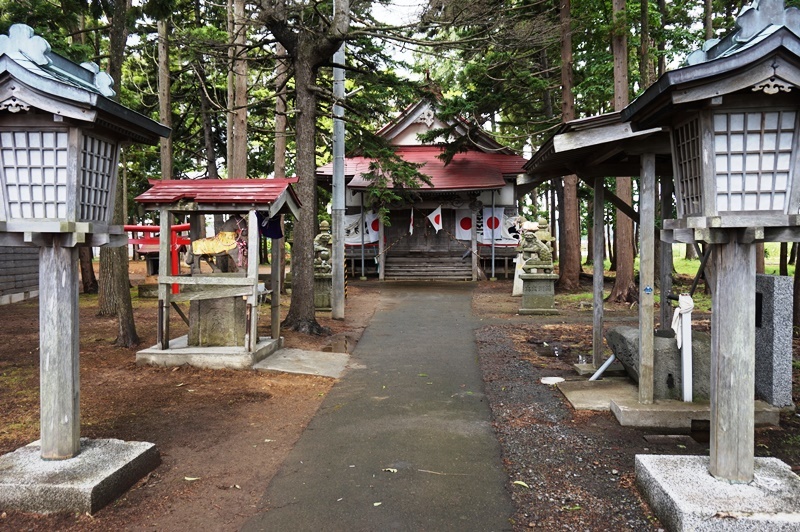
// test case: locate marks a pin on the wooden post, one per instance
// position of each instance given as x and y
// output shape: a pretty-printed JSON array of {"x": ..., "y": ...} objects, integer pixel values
[
  {"x": 665, "y": 281},
  {"x": 253, "y": 237},
  {"x": 381, "y": 251},
  {"x": 597, "y": 274},
  {"x": 275, "y": 278},
  {"x": 164, "y": 267},
  {"x": 647, "y": 224},
  {"x": 733, "y": 361},
  {"x": 474, "y": 245},
  {"x": 59, "y": 375}
]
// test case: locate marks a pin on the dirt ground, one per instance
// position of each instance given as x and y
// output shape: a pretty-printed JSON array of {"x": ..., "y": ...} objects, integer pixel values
[{"x": 223, "y": 434}]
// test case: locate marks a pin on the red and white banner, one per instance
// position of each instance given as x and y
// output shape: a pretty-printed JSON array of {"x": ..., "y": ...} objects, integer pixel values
[
  {"x": 353, "y": 229},
  {"x": 373, "y": 226},
  {"x": 492, "y": 223},
  {"x": 411, "y": 224},
  {"x": 464, "y": 224},
  {"x": 436, "y": 218},
  {"x": 499, "y": 227}
]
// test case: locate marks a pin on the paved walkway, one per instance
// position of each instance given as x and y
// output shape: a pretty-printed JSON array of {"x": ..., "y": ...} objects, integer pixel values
[{"x": 403, "y": 441}]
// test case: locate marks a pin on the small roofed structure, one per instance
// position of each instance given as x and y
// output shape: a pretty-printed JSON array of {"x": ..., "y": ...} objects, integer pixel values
[
  {"x": 473, "y": 195},
  {"x": 251, "y": 199}
]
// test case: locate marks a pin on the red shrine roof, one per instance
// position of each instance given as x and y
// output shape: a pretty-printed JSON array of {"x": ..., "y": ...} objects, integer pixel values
[
  {"x": 219, "y": 192},
  {"x": 472, "y": 170}
]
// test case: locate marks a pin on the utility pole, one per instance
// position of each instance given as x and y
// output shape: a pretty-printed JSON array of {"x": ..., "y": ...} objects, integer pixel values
[{"x": 337, "y": 212}]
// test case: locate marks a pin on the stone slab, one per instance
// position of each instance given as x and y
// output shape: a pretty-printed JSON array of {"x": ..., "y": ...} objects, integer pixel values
[
  {"x": 616, "y": 369},
  {"x": 306, "y": 362},
  {"x": 686, "y": 497},
  {"x": 597, "y": 395},
  {"x": 671, "y": 414},
  {"x": 233, "y": 357},
  {"x": 103, "y": 470}
]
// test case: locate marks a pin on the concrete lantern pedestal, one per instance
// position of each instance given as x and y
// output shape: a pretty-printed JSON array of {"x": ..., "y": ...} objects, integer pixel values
[{"x": 538, "y": 293}]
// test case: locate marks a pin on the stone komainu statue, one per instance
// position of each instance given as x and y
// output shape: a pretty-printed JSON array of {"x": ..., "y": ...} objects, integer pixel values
[
  {"x": 535, "y": 248},
  {"x": 322, "y": 249}
]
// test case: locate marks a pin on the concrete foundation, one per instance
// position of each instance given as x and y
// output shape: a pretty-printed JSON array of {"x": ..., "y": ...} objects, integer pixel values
[
  {"x": 685, "y": 496},
  {"x": 103, "y": 470},
  {"x": 306, "y": 362},
  {"x": 621, "y": 397},
  {"x": 234, "y": 357}
]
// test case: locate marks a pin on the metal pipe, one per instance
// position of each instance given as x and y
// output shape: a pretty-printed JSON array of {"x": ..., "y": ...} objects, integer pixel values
[
  {"x": 337, "y": 211},
  {"x": 494, "y": 278},
  {"x": 602, "y": 368}
]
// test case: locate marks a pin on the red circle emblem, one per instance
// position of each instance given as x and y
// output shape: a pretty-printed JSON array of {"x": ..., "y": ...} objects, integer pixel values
[
  {"x": 493, "y": 223},
  {"x": 437, "y": 219},
  {"x": 376, "y": 225},
  {"x": 466, "y": 224}
]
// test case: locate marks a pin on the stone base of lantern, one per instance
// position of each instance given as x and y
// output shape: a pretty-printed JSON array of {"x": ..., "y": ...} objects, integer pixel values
[
  {"x": 323, "y": 288},
  {"x": 538, "y": 293},
  {"x": 101, "y": 472},
  {"x": 231, "y": 357},
  {"x": 684, "y": 495}
]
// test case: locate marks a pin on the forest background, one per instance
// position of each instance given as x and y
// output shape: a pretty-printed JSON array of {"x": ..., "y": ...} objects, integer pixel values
[{"x": 246, "y": 89}]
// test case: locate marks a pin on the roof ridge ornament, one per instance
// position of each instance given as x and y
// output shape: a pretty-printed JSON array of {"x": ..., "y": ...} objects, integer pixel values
[
  {"x": 754, "y": 20},
  {"x": 24, "y": 47},
  {"x": 22, "y": 43}
]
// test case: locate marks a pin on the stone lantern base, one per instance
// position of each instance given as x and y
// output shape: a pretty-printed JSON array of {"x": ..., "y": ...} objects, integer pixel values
[
  {"x": 323, "y": 287},
  {"x": 538, "y": 293}
]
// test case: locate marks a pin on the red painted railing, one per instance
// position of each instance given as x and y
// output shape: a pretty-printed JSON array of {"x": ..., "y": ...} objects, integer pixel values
[{"x": 154, "y": 240}]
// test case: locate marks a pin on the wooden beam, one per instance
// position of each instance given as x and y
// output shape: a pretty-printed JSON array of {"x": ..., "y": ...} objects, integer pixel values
[
  {"x": 598, "y": 251},
  {"x": 733, "y": 362},
  {"x": 665, "y": 270},
  {"x": 647, "y": 209},
  {"x": 59, "y": 372},
  {"x": 613, "y": 198}
]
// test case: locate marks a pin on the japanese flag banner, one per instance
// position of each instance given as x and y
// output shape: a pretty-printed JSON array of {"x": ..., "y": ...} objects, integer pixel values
[
  {"x": 492, "y": 223},
  {"x": 436, "y": 218},
  {"x": 373, "y": 224},
  {"x": 464, "y": 224}
]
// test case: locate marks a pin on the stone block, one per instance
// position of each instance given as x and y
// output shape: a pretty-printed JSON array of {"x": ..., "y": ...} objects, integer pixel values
[
  {"x": 773, "y": 377},
  {"x": 217, "y": 322},
  {"x": 323, "y": 288},
  {"x": 538, "y": 293},
  {"x": 667, "y": 378}
]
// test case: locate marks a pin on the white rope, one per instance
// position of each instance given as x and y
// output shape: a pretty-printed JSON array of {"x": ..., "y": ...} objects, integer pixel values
[{"x": 685, "y": 306}]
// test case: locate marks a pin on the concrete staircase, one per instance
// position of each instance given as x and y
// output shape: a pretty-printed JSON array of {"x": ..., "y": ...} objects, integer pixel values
[{"x": 428, "y": 268}]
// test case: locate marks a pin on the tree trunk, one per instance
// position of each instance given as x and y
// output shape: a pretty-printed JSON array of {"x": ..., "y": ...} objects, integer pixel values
[
  {"x": 569, "y": 266},
  {"x": 88, "y": 278},
  {"x": 115, "y": 295},
  {"x": 760, "y": 258},
  {"x": 624, "y": 289},
  {"x": 164, "y": 97},
  {"x": 301, "y": 315},
  {"x": 796, "y": 313},
  {"x": 645, "y": 64},
  {"x": 691, "y": 253},
  {"x": 784, "y": 263},
  {"x": 237, "y": 164},
  {"x": 793, "y": 254},
  {"x": 281, "y": 79}
]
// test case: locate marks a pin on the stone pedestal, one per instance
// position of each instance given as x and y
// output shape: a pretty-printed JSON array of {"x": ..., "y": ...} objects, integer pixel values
[
  {"x": 323, "y": 286},
  {"x": 217, "y": 322},
  {"x": 538, "y": 293}
]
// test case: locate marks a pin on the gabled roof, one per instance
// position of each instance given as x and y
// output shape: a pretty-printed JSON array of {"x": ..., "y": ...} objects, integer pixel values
[
  {"x": 274, "y": 195},
  {"x": 31, "y": 75},
  {"x": 424, "y": 112},
  {"x": 472, "y": 170}
]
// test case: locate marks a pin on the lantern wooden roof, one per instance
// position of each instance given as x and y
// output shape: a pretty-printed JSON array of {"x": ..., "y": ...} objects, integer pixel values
[
  {"x": 32, "y": 77},
  {"x": 275, "y": 196}
]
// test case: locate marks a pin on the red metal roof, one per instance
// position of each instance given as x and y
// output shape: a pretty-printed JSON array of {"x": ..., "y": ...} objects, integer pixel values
[
  {"x": 472, "y": 170},
  {"x": 219, "y": 191}
]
